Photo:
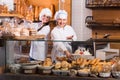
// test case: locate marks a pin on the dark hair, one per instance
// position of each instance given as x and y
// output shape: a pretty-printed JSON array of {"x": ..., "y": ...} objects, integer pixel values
[{"x": 21, "y": 21}]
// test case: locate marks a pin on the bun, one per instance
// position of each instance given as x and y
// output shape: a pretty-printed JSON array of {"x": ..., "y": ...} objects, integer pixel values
[
  {"x": 47, "y": 62},
  {"x": 64, "y": 64},
  {"x": 24, "y": 32},
  {"x": 58, "y": 65}
]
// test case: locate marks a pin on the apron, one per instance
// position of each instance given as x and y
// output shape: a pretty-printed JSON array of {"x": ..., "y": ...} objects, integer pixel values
[
  {"x": 56, "y": 52},
  {"x": 39, "y": 49}
]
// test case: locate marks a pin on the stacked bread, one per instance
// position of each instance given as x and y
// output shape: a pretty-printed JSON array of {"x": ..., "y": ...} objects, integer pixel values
[
  {"x": 64, "y": 65},
  {"x": 24, "y": 32},
  {"x": 32, "y": 32},
  {"x": 47, "y": 62}
]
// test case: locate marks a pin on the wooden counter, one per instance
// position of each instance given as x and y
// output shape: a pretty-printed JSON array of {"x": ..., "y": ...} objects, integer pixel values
[{"x": 7, "y": 76}]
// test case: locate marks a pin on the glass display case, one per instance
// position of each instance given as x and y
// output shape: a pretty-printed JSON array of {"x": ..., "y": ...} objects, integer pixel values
[{"x": 104, "y": 51}]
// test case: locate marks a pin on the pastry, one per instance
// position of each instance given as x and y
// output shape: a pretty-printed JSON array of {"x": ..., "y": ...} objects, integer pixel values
[{"x": 58, "y": 65}]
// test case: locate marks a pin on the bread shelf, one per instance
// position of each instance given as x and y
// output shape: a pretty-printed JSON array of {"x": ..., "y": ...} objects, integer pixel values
[
  {"x": 10, "y": 15},
  {"x": 103, "y": 3},
  {"x": 102, "y": 23}
]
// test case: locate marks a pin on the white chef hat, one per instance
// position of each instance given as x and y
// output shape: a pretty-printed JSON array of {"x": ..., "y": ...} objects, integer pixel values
[
  {"x": 61, "y": 14},
  {"x": 45, "y": 11}
]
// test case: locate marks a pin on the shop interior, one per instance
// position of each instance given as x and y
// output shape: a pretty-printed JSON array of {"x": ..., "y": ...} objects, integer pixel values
[{"x": 95, "y": 53}]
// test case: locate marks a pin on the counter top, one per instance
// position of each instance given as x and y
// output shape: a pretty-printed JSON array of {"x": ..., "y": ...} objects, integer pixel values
[{"x": 8, "y": 76}]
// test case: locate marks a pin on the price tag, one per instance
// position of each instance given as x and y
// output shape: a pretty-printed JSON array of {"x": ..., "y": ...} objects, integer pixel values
[
  {"x": 46, "y": 71},
  {"x": 28, "y": 71}
]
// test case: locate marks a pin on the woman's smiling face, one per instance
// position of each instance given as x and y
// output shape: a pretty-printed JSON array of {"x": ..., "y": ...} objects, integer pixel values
[
  {"x": 45, "y": 19},
  {"x": 61, "y": 22}
]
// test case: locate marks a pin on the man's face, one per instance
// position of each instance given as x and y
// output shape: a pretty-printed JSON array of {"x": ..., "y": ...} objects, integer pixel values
[
  {"x": 61, "y": 22},
  {"x": 45, "y": 19}
]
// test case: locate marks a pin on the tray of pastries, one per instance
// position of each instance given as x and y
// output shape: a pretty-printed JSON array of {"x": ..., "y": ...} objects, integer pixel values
[
  {"x": 62, "y": 68},
  {"x": 46, "y": 66}
]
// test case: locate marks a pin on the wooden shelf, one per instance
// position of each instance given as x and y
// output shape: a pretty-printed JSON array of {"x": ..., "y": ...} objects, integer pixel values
[
  {"x": 102, "y": 23},
  {"x": 10, "y": 15},
  {"x": 102, "y": 4}
]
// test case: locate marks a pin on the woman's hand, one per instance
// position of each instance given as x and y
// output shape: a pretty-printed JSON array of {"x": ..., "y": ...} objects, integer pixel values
[
  {"x": 69, "y": 37},
  {"x": 68, "y": 54}
]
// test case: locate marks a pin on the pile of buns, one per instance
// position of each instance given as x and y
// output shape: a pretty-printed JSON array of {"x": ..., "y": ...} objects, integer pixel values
[
  {"x": 32, "y": 32},
  {"x": 19, "y": 31},
  {"x": 24, "y": 32},
  {"x": 95, "y": 65},
  {"x": 47, "y": 62},
  {"x": 101, "y": 67},
  {"x": 64, "y": 65}
]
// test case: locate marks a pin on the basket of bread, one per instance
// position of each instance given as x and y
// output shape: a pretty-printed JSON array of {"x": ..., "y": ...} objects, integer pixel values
[
  {"x": 61, "y": 68},
  {"x": 106, "y": 70},
  {"x": 100, "y": 68},
  {"x": 116, "y": 68},
  {"x": 26, "y": 34},
  {"x": 30, "y": 67},
  {"x": 7, "y": 35},
  {"x": 46, "y": 67}
]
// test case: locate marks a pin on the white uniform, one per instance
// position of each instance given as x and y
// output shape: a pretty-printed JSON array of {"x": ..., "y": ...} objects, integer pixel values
[
  {"x": 61, "y": 34},
  {"x": 38, "y": 49}
]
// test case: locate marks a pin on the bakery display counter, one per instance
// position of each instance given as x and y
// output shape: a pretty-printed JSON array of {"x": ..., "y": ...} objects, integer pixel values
[{"x": 72, "y": 68}]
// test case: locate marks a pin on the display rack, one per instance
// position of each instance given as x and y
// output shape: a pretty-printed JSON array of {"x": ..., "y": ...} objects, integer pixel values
[
  {"x": 103, "y": 3},
  {"x": 102, "y": 23},
  {"x": 8, "y": 15}
]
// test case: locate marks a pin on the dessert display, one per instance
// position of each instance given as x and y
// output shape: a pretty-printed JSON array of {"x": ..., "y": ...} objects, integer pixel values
[{"x": 81, "y": 67}]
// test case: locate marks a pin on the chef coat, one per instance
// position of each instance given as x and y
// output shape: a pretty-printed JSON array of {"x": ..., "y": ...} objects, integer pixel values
[
  {"x": 58, "y": 35},
  {"x": 38, "y": 49}
]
